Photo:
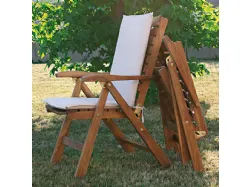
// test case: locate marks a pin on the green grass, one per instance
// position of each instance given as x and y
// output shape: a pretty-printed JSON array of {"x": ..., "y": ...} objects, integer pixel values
[{"x": 110, "y": 165}]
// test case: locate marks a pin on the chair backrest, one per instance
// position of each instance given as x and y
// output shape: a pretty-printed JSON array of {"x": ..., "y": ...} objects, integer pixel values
[
  {"x": 157, "y": 32},
  {"x": 130, "y": 52},
  {"x": 137, "y": 38}
]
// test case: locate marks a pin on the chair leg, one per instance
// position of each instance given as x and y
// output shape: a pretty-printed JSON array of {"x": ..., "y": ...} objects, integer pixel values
[
  {"x": 88, "y": 146},
  {"x": 87, "y": 149},
  {"x": 119, "y": 136},
  {"x": 138, "y": 125},
  {"x": 59, "y": 148}
]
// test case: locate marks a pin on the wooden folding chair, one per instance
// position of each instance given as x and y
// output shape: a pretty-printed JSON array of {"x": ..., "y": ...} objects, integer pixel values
[
  {"x": 82, "y": 108},
  {"x": 182, "y": 117}
]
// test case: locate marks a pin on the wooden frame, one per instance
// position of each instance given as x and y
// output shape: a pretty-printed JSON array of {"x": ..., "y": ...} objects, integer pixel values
[
  {"x": 179, "y": 103},
  {"x": 100, "y": 112}
]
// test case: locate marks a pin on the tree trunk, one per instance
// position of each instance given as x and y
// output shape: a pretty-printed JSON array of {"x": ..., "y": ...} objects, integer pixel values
[{"x": 119, "y": 9}]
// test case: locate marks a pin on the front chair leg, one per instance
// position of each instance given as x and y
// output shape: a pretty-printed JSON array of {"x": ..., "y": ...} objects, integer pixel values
[
  {"x": 88, "y": 146},
  {"x": 59, "y": 148}
]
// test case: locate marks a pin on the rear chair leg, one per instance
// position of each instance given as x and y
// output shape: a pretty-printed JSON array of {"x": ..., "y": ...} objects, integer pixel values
[
  {"x": 119, "y": 136},
  {"x": 138, "y": 125},
  {"x": 59, "y": 148}
]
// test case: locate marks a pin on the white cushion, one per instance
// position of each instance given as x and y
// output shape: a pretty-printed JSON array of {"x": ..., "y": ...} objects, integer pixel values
[
  {"x": 130, "y": 52},
  {"x": 76, "y": 103},
  {"x": 128, "y": 60}
]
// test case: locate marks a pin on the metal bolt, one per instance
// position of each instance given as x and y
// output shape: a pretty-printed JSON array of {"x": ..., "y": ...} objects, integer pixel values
[
  {"x": 141, "y": 129},
  {"x": 98, "y": 115},
  {"x": 109, "y": 84},
  {"x": 186, "y": 122}
]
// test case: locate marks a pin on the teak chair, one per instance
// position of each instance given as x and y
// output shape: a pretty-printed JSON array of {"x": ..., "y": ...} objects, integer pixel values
[
  {"x": 120, "y": 103},
  {"x": 183, "y": 121}
]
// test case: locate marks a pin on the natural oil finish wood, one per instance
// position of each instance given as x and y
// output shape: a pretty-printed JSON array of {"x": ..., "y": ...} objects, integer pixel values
[
  {"x": 100, "y": 112},
  {"x": 75, "y": 74},
  {"x": 119, "y": 136},
  {"x": 186, "y": 120},
  {"x": 92, "y": 133},
  {"x": 142, "y": 131},
  {"x": 77, "y": 89},
  {"x": 59, "y": 148},
  {"x": 72, "y": 143}
]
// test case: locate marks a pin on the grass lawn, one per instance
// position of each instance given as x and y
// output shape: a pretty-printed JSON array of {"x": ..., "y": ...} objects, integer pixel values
[{"x": 110, "y": 165}]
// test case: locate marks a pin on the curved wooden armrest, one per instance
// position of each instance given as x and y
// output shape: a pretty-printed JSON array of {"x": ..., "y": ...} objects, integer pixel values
[
  {"x": 76, "y": 74},
  {"x": 109, "y": 77}
]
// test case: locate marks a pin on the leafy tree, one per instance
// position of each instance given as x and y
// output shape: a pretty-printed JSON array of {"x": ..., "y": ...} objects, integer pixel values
[{"x": 86, "y": 25}]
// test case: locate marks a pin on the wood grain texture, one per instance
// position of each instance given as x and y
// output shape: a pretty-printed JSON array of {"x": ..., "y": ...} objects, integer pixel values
[
  {"x": 88, "y": 146},
  {"x": 109, "y": 77},
  {"x": 138, "y": 125},
  {"x": 186, "y": 120},
  {"x": 77, "y": 88},
  {"x": 108, "y": 116},
  {"x": 72, "y": 143},
  {"x": 119, "y": 136},
  {"x": 75, "y": 74},
  {"x": 151, "y": 59},
  {"x": 59, "y": 147}
]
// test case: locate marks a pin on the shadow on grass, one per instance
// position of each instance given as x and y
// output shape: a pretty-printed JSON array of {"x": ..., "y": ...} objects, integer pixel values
[{"x": 110, "y": 165}]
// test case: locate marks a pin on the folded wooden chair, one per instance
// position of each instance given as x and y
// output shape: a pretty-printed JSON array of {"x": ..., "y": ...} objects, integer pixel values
[
  {"x": 182, "y": 117},
  {"x": 138, "y": 46}
]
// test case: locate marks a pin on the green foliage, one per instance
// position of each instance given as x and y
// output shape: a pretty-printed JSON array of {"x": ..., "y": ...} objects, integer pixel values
[
  {"x": 84, "y": 26},
  {"x": 194, "y": 22},
  {"x": 49, "y": 31},
  {"x": 197, "y": 69}
]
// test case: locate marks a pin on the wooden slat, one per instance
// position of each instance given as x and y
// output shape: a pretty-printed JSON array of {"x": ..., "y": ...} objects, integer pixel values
[
  {"x": 149, "y": 50},
  {"x": 59, "y": 148},
  {"x": 72, "y": 143},
  {"x": 151, "y": 40},
  {"x": 182, "y": 148},
  {"x": 152, "y": 60},
  {"x": 108, "y": 77},
  {"x": 171, "y": 125},
  {"x": 154, "y": 32},
  {"x": 186, "y": 120},
  {"x": 86, "y": 90},
  {"x": 88, "y": 146},
  {"x": 119, "y": 136},
  {"x": 77, "y": 88},
  {"x": 75, "y": 74},
  {"x": 110, "y": 123},
  {"x": 138, "y": 125},
  {"x": 136, "y": 144},
  {"x": 90, "y": 114},
  {"x": 178, "y": 54},
  {"x": 183, "y": 68},
  {"x": 166, "y": 115},
  {"x": 184, "y": 151}
]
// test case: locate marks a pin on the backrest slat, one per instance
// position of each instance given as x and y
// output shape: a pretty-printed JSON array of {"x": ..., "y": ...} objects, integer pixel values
[{"x": 159, "y": 25}]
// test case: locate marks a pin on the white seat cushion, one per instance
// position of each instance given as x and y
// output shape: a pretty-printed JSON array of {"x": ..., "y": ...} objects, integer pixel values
[
  {"x": 76, "y": 103},
  {"x": 128, "y": 60},
  {"x": 130, "y": 53}
]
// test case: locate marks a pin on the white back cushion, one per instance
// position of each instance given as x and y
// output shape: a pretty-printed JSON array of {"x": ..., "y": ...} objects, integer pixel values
[{"x": 130, "y": 52}]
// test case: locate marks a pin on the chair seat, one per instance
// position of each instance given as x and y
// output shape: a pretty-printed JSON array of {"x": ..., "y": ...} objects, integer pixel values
[{"x": 77, "y": 103}]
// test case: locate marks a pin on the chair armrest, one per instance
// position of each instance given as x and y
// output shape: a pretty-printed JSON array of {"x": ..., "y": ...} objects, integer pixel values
[
  {"x": 75, "y": 74},
  {"x": 109, "y": 77}
]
